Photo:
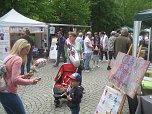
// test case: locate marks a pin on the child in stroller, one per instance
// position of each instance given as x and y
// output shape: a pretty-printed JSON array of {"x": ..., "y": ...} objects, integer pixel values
[{"x": 62, "y": 82}]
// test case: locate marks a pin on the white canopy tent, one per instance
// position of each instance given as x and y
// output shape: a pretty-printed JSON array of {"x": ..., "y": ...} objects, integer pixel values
[
  {"x": 11, "y": 25},
  {"x": 13, "y": 18}
]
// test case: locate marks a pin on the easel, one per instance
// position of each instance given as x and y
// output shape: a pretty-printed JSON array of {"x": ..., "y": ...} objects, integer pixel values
[{"x": 114, "y": 86}]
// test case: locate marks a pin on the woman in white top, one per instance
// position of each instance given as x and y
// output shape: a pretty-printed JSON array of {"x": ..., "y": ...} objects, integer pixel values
[{"x": 72, "y": 43}]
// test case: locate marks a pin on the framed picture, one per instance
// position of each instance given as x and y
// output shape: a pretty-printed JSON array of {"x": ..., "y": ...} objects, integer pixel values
[
  {"x": 110, "y": 101},
  {"x": 128, "y": 72}
]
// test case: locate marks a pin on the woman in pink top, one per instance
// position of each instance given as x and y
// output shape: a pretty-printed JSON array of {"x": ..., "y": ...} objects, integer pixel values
[{"x": 9, "y": 98}]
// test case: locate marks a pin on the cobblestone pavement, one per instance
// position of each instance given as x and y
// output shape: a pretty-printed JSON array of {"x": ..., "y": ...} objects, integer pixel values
[{"x": 38, "y": 99}]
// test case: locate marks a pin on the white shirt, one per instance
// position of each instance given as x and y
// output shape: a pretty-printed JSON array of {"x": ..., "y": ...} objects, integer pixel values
[
  {"x": 86, "y": 48},
  {"x": 79, "y": 39},
  {"x": 105, "y": 42}
]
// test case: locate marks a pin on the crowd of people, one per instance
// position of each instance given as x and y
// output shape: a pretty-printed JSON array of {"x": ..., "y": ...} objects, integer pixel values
[{"x": 94, "y": 46}]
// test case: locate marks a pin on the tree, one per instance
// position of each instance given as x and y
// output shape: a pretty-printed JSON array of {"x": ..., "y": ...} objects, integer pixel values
[
  {"x": 71, "y": 11},
  {"x": 128, "y": 9},
  {"x": 59, "y": 11},
  {"x": 105, "y": 15}
]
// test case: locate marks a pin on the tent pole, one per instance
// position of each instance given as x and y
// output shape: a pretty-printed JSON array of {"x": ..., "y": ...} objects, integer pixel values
[
  {"x": 149, "y": 43},
  {"x": 137, "y": 25}
]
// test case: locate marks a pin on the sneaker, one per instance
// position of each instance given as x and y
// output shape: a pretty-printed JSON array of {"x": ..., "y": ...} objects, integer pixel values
[
  {"x": 98, "y": 66},
  {"x": 108, "y": 68},
  {"x": 87, "y": 71},
  {"x": 91, "y": 69}
]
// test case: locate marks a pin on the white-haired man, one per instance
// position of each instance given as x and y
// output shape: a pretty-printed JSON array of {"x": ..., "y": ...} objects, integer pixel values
[
  {"x": 80, "y": 39},
  {"x": 111, "y": 48},
  {"x": 87, "y": 51}
]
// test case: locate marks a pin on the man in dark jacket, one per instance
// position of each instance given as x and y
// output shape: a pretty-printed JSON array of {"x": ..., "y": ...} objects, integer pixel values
[
  {"x": 60, "y": 48},
  {"x": 29, "y": 56}
]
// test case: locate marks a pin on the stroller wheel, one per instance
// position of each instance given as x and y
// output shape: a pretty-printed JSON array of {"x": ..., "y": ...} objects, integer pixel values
[{"x": 57, "y": 103}]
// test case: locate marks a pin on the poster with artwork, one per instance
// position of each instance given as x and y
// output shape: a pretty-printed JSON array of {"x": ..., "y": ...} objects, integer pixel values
[
  {"x": 4, "y": 42},
  {"x": 127, "y": 73},
  {"x": 53, "y": 51},
  {"x": 110, "y": 101},
  {"x": 52, "y": 30}
]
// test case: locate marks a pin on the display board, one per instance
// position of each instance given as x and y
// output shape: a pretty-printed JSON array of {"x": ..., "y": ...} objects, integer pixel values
[
  {"x": 4, "y": 42},
  {"x": 127, "y": 73},
  {"x": 52, "y": 30},
  {"x": 31, "y": 29},
  {"x": 53, "y": 51},
  {"x": 110, "y": 101}
]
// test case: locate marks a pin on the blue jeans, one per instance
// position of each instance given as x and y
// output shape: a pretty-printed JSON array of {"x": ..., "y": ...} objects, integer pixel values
[
  {"x": 75, "y": 110},
  {"x": 12, "y": 103},
  {"x": 59, "y": 52},
  {"x": 87, "y": 57}
]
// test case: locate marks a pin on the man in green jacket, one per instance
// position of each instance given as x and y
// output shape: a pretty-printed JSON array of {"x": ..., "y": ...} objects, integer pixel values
[{"x": 122, "y": 43}]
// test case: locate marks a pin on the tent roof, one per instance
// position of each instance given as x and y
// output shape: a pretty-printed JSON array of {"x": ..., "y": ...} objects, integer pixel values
[
  {"x": 69, "y": 25},
  {"x": 13, "y": 18},
  {"x": 145, "y": 16}
]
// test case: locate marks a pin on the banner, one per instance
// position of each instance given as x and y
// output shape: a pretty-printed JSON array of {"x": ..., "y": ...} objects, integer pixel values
[
  {"x": 4, "y": 42},
  {"x": 110, "y": 101},
  {"x": 22, "y": 29},
  {"x": 127, "y": 73},
  {"x": 53, "y": 51}
]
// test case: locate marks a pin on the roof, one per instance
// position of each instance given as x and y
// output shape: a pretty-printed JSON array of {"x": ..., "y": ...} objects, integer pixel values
[
  {"x": 13, "y": 18},
  {"x": 69, "y": 25},
  {"x": 145, "y": 16}
]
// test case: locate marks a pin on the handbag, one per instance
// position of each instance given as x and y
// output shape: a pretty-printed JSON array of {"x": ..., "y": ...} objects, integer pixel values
[{"x": 3, "y": 72}]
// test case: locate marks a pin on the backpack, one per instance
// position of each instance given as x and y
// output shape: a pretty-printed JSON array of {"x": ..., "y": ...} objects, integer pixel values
[{"x": 3, "y": 72}]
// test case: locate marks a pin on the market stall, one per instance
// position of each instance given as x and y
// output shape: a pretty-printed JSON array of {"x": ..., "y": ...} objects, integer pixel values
[
  {"x": 144, "y": 17},
  {"x": 12, "y": 26}
]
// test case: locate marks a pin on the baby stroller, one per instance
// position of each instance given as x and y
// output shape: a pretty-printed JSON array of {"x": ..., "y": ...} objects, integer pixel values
[{"x": 62, "y": 82}]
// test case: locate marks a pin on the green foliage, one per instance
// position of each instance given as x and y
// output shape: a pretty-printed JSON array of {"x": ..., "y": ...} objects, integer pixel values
[
  {"x": 71, "y": 11},
  {"x": 129, "y": 8},
  {"x": 105, "y": 15},
  {"x": 58, "y": 11}
]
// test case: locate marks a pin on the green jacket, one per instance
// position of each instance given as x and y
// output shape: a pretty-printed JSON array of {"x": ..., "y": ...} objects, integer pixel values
[{"x": 122, "y": 44}]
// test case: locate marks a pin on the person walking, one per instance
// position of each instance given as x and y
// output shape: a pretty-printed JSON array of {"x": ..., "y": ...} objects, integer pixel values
[
  {"x": 60, "y": 48},
  {"x": 103, "y": 45},
  {"x": 111, "y": 48},
  {"x": 13, "y": 78},
  {"x": 96, "y": 50},
  {"x": 29, "y": 56},
  {"x": 87, "y": 51}
]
